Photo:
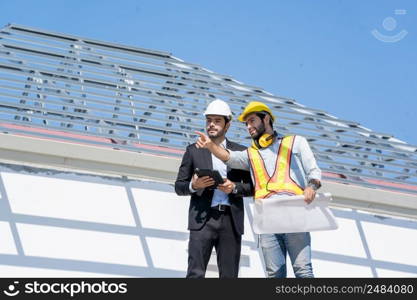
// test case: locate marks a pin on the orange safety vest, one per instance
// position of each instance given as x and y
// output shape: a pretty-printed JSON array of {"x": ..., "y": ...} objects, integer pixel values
[{"x": 281, "y": 182}]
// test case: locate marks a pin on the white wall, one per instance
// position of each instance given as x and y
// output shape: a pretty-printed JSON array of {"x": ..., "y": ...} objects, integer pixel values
[{"x": 57, "y": 224}]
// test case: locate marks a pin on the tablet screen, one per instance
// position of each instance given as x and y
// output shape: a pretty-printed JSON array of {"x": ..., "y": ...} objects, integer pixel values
[{"x": 212, "y": 173}]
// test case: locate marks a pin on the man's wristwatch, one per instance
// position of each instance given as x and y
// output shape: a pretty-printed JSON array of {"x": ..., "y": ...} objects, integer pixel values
[
  {"x": 234, "y": 191},
  {"x": 313, "y": 185}
]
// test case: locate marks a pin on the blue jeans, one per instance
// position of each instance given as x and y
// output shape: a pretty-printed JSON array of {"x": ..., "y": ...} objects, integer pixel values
[{"x": 275, "y": 248}]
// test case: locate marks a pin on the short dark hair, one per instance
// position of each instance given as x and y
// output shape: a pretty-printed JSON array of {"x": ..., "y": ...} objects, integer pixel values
[{"x": 262, "y": 115}]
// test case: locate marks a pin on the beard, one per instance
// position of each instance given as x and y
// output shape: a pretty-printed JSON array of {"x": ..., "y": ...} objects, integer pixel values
[
  {"x": 260, "y": 130},
  {"x": 216, "y": 134}
]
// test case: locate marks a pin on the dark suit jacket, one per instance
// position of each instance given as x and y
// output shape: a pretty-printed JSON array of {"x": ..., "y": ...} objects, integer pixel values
[{"x": 200, "y": 205}]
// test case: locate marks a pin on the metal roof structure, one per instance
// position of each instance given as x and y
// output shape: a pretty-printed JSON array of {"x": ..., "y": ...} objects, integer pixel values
[{"x": 61, "y": 87}]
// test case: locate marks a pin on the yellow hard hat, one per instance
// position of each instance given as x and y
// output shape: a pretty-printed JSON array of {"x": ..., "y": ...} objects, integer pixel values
[{"x": 255, "y": 106}]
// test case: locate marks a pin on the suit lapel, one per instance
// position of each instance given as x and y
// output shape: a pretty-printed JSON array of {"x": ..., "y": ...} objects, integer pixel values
[
  {"x": 207, "y": 158},
  {"x": 229, "y": 145}
]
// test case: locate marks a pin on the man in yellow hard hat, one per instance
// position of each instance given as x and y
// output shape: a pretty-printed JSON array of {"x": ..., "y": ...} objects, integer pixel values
[
  {"x": 280, "y": 166},
  {"x": 215, "y": 216}
]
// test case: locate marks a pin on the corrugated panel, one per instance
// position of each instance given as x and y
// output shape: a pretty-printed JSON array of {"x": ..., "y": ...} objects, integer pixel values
[{"x": 105, "y": 93}]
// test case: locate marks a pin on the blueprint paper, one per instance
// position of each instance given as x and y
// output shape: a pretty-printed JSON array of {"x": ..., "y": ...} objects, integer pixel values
[{"x": 285, "y": 214}]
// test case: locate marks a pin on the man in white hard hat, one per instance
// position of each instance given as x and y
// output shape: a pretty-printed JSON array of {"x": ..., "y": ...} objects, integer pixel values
[{"x": 215, "y": 216}]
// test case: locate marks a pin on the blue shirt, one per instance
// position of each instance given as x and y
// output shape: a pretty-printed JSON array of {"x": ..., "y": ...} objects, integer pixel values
[{"x": 219, "y": 197}]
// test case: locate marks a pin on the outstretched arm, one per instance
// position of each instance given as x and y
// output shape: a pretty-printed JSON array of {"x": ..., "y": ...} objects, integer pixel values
[{"x": 205, "y": 142}]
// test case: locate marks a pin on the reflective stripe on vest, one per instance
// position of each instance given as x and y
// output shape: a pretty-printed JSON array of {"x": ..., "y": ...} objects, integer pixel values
[{"x": 281, "y": 181}]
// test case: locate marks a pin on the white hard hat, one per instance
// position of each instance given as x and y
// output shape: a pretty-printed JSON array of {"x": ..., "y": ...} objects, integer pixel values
[{"x": 220, "y": 108}]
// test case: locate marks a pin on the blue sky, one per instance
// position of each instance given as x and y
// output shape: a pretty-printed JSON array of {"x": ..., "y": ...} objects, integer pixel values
[{"x": 321, "y": 53}]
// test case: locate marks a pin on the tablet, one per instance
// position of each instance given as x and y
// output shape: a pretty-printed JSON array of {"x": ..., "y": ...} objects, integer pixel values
[{"x": 218, "y": 179}]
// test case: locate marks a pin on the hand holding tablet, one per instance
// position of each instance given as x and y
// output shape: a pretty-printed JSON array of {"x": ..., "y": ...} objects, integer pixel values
[{"x": 211, "y": 173}]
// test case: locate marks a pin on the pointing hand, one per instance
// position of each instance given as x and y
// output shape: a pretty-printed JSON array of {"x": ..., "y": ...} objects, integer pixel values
[{"x": 203, "y": 141}]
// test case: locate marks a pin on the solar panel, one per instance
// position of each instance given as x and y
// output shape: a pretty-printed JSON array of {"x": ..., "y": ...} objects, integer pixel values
[{"x": 54, "y": 84}]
